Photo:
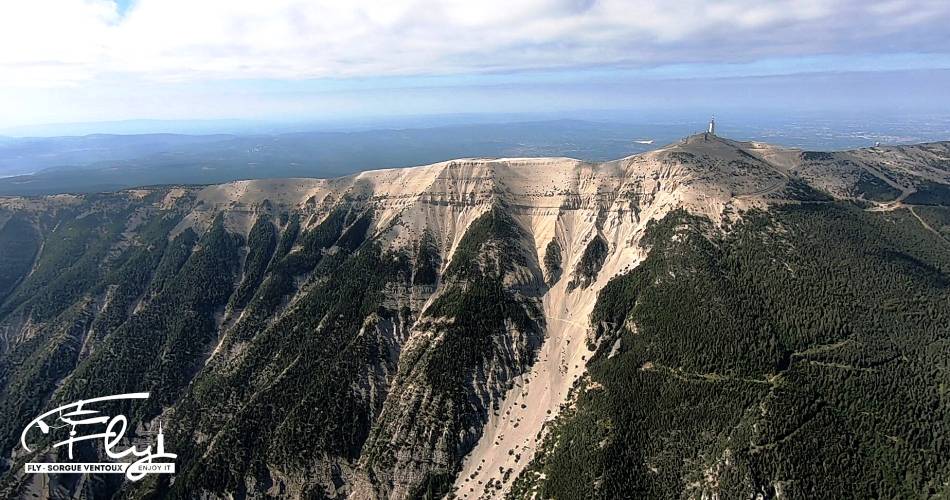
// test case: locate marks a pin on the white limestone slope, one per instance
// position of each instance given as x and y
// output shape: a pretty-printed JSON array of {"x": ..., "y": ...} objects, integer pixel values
[
  {"x": 564, "y": 200},
  {"x": 615, "y": 200},
  {"x": 560, "y": 199}
]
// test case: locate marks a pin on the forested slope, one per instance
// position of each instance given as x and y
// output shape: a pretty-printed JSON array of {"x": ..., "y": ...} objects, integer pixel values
[
  {"x": 711, "y": 318},
  {"x": 800, "y": 353}
]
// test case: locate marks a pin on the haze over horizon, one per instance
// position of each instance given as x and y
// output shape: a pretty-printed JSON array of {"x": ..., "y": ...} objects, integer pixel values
[
  {"x": 68, "y": 61},
  {"x": 478, "y": 250}
]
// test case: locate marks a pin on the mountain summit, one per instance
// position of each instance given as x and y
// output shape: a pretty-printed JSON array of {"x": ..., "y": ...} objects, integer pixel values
[{"x": 713, "y": 318}]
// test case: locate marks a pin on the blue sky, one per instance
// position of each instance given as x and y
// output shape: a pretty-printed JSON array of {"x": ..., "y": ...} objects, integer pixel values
[{"x": 101, "y": 60}]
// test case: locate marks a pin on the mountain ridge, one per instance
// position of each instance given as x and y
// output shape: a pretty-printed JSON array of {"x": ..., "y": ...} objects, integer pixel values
[{"x": 461, "y": 294}]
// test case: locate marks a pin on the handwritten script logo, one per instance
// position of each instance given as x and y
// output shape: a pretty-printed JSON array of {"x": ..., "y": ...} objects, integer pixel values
[{"x": 81, "y": 421}]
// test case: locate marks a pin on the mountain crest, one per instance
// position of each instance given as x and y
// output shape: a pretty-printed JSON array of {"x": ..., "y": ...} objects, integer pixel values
[{"x": 395, "y": 333}]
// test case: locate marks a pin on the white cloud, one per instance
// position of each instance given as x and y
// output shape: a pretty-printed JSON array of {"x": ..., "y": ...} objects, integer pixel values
[{"x": 52, "y": 42}]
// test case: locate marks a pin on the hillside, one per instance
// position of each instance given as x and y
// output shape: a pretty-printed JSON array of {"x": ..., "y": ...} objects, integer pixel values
[{"x": 710, "y": 318}]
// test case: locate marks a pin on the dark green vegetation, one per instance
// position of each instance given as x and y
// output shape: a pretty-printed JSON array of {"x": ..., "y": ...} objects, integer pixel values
[
  {"x": 261, "y": 242},
  {"x": 68, "y": 265},
  {"x": 873, "y": 188},
  {"x": 90, "y": 273},
  {"x": 799, "y": 351},
  {"x": 268, "y": 355},
  {"x": 876, "y": 185},
  {"x": 485, "y": 255},
  {"x": 797, "y": 190},
  {"x": 480, "y": 329},
  {"x": 19, "y": 243},
  {"x": 589, "y": 266},
  {"x": 435, "y": 487},
  {"x": 128, "y": 306},
  {"x": 323, "y": 347},
  {"x": 552, "y": 262},
  {"x": 161, "y": 348},
  {"x": 817, "y": 156},
  {"x": 428, "y": 262},
  {"x": 930, "y": 193},
  {"x": 803, "y": 352},
  {"x": 938, "y": 218}
]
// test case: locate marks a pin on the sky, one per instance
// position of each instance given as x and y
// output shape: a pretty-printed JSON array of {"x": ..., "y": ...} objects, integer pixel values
[{"x": 67, "y": 61}]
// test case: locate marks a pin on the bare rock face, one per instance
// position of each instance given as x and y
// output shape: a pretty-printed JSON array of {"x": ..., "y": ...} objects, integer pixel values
[{"x": 400, "y": 333}]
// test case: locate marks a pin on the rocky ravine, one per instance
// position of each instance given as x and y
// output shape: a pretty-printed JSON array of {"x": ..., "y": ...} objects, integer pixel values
[{"x": 393, "y": 334}]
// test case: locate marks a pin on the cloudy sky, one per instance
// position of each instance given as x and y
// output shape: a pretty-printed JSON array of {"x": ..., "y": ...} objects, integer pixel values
[{"x": 93, "y": 60}]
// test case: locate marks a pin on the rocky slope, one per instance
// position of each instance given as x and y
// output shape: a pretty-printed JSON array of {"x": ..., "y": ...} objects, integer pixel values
[{"x": 403, "y": 333}]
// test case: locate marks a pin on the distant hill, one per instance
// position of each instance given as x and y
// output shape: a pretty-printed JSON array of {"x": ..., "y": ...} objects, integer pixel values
[
  {"x": 108, "y": 162},
  {"x": 102, "y": 162}
]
